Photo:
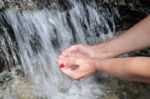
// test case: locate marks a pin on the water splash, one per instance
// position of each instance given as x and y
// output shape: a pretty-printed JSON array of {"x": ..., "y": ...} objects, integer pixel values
[{"x": 42, "y": 35}]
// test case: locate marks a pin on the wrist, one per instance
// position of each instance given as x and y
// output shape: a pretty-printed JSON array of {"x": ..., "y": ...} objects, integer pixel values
[
  {"x": 98, "y": 65},
  {"x": 108, "y": 49}
]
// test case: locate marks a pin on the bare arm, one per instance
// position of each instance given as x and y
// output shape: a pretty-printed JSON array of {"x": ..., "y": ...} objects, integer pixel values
[
  {"x": 135, "y": 69},
  {"x": 138, "y": 37}
]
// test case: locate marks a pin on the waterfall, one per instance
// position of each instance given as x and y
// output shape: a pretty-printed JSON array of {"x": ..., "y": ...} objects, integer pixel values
[{"x": 41, "y": 35}]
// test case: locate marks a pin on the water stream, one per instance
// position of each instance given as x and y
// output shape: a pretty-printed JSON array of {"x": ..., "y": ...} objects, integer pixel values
[{"x": 41, "y": 35}]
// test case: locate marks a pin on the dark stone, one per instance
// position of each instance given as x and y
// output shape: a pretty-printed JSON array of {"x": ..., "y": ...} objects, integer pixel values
[
  {"x": 5, "y": 31},
  {"x": 145, "y": 3},
  {"x": 3, "y": 64},
  {"x": 129, "y": 17}
]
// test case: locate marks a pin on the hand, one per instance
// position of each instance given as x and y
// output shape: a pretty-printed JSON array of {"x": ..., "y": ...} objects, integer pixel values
[
  {"x": 79, "y": 60},
  {"x": 80, "y": 50},
  {"x": 77, "y": 68}
]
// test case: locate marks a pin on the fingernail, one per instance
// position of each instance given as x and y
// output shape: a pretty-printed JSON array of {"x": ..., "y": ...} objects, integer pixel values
[{"x": 62, "y": 65}]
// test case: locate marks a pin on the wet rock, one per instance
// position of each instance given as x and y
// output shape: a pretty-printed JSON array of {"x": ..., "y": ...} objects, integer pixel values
[
  {"x": 20, "y": 88},
  {"x": 3, "y": 64},
  {"x": 110, "y": 96},
  {"x": 13, "y": 85},
  {"x": 65, "y": 4},
  {"x": 129, "y": 17},
  {"x": 1, "y": 4},
  {"x": 8, "y": 45},
  {"x": 34, "y": 4}
]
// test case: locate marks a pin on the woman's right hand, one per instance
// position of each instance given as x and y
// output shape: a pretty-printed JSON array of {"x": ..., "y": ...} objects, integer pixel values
[{"x": 81, "y": 50}]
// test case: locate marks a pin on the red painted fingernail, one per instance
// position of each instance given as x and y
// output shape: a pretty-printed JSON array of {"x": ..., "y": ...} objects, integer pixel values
[{"x": 62, "y": 65}]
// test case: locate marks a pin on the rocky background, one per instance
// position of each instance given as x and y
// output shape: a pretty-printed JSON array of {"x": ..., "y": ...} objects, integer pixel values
[{"x": 131, "y": 11}]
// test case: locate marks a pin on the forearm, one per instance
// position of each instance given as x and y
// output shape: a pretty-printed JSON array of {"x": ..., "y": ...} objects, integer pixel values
[
  {"x": 136, "y": 69},
  {"x": 138, "y": 37}
]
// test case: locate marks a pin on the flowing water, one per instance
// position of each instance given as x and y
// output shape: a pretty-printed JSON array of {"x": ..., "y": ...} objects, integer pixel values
[{"x": 41, "y": 35}]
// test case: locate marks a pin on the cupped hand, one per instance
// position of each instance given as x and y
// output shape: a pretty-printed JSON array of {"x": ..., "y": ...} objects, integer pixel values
[
  {"x": 78, "y": 68},
  {"x": 81, "y": 50}
]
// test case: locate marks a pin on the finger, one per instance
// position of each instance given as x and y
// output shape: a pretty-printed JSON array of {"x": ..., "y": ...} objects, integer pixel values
[
  {"x": 79, "y": 54},
  {"x": 75, "y": 74},
  {"x": 72, "y": 49},
  {"x": 71, "y": 73},
  {"x": 75, "y": 54},
  {"x": 68, "y": 61},
  {"x": 69, "y": 52}
]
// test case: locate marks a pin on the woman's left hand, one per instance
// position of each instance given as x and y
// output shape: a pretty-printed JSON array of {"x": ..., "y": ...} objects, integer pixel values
[{"x": 78, "y": 68}]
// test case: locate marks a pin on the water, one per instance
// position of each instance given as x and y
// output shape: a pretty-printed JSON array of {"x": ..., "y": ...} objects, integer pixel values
[{"x": 43, "y": 34}]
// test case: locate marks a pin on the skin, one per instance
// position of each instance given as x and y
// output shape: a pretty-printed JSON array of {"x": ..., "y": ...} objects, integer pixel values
[{"x": 81, "y": 61}]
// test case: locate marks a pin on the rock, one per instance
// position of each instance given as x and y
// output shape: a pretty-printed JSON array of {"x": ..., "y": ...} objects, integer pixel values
[
  {"x": 3, "y": 64},
  {"x": 20, "y": 88},
  {"x": 1, "y": 4},
  {"x": 13, "y": 85},
  {"x": 110, "y": 96}
]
